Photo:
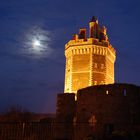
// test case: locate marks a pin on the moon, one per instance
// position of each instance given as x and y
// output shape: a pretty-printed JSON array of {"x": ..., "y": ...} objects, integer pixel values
[{"x": 36, "y": 43}]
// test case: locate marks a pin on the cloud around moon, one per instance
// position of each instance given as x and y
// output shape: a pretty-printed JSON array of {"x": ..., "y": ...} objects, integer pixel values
[{"x": 37, "y": 43}]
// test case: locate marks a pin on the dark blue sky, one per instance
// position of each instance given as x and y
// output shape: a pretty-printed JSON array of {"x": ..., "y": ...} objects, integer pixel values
[{"x": 32, "y": 78}]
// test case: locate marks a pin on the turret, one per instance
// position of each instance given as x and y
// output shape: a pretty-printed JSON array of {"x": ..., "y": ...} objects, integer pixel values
[{"x": 93, "y": 28}]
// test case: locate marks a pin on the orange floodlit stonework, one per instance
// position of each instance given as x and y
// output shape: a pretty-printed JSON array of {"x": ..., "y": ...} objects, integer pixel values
[{"x": 89, "y": 60}]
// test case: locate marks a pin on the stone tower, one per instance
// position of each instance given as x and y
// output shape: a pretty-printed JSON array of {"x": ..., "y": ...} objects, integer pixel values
[{"x": 89, "y": 60}]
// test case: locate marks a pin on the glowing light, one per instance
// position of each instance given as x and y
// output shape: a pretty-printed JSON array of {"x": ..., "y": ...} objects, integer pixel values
[
  {"x": 36, "y": 43},
  {"x": 107, "y": 92}
]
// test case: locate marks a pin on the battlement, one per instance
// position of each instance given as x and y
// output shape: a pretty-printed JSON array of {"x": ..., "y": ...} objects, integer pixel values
[
  {"x": 92, "y": 42},
  {"x": 90, "y": 48}
]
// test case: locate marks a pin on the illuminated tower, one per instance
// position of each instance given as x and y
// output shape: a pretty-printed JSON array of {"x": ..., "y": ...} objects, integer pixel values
[{"x": 89, "y": 60}]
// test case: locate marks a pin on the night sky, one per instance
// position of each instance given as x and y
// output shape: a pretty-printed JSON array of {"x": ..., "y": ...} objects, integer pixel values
[{"x": 31, "y": 76}]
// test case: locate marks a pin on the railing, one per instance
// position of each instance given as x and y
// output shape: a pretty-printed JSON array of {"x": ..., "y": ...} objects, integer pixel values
[
  {"x": 41, "y": 131},
  {"x": 54, "y": 131}
]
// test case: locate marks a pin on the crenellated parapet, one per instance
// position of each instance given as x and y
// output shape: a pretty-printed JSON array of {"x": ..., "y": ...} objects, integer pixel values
[
  {"x": 87, "y": 41},
  {"x": 78, "y": 46},
  {"x": 90, "y": 48}
]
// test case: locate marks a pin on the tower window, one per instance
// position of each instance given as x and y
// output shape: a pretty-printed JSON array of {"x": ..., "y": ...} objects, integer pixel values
[
  {"x": 107, "y": 92},
  {"x": 124, "y": 92},
  {"x": 93, "y": 120},
  {"x": 102, "y": 66},
  {"x": 95, "y": 65},
  {"x": 102, "y": 82},
  {"x": 78, "y": 51},
  {"x": 95, "y": 82}
]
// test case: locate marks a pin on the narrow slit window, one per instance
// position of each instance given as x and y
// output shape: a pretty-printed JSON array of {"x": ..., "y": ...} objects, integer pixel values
[
  {"x": 107, "y": 92},
  {"x": 124, "y": 92}
]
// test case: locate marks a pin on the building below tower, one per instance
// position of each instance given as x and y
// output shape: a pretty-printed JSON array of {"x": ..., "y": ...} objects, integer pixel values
[{"x": 100, "y": 110}]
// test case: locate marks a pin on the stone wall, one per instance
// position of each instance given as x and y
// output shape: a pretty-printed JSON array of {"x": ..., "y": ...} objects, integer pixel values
[{"x": 109, "y": 108}]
